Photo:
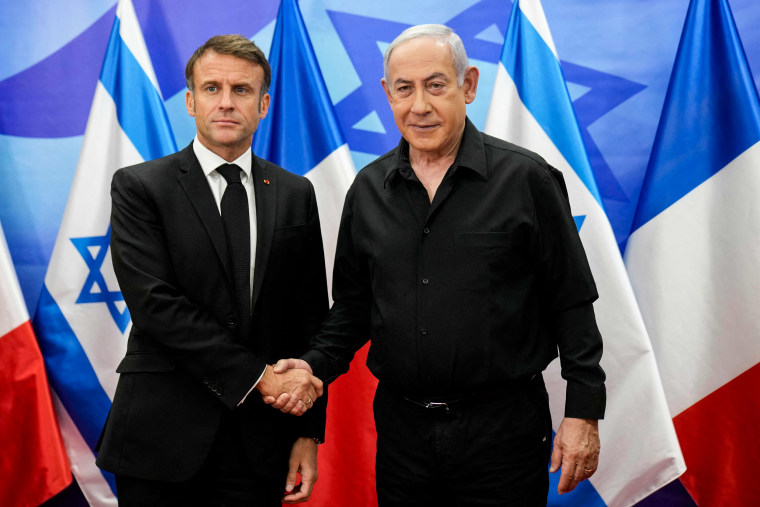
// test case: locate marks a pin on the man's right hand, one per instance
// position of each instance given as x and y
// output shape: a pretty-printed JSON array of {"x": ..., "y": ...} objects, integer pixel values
[{"x": 292, "y": 389}]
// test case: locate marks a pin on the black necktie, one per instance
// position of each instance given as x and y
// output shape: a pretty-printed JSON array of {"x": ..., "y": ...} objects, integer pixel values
[{"x": 238, "y": 228}]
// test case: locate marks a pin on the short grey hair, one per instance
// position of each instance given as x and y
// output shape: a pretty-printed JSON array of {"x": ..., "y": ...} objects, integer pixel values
[{"x": 441, "y": 33}]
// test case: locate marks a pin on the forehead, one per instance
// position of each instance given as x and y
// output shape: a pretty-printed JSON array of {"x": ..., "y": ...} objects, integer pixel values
[
  {"x": 213, "y": 66},
  {"x": 419, "y": 57}
]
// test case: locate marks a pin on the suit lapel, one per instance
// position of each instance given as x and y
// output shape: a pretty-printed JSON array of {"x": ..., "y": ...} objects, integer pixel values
[
  {"x": 195, "y": 185},
  {"x": 265, "y": 189}
]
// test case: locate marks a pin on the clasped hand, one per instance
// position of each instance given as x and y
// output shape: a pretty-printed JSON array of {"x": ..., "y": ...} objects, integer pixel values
[{"x": 290, "y": 386}]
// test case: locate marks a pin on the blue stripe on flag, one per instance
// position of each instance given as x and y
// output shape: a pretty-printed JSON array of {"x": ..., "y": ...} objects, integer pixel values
[
  {"x": 538, "y": 77},
  {"x": 300, "y": 129},
  {"x": 139, "y": 107},
  {"x": 69, "y": 370},
  {"x": 70, "y": 373},
  {"x": 707, "y": 120},
  {"x": 584, "y": 493}
]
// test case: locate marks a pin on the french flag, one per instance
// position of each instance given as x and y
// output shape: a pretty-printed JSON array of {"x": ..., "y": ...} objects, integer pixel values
[
  {"x": 81, "y": 319},
  {"x": 531, "y": 107},
  {"x": 33, "y": 462},
  {"x": 693, "y": 256},
  {"x": 301, "y": 133}
]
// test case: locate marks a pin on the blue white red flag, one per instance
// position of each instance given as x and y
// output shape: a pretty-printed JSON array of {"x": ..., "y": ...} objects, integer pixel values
[
  {"x": 301, "y": 133},
  {"x": 531, "y": 107},
  {"x": 693, "y": 256},
  {"x": 81, "y": 320},
  {"x": 33, "y": 462}
]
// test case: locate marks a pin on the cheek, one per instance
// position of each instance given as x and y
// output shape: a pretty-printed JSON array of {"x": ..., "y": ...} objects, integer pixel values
[{"x": 400, "y": 109}]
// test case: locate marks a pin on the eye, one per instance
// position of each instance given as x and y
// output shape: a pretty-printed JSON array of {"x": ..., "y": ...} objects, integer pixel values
[
  {"x": 436, "y": 86},
  {"x": 211, "y": 89},
  {"x": 241, "y": 89}
]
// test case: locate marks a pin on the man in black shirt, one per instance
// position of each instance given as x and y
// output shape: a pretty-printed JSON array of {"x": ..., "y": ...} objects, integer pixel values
[{"x": 458, "y": 256}]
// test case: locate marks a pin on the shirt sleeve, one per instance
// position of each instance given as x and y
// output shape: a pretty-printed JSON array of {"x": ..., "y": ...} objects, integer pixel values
[
  {"x": 568, "y": 291},
  {"x": 346, "y": 328}
]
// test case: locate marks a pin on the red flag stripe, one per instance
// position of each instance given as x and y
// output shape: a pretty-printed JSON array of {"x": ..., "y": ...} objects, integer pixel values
[
  {"x": 33, "y": 462},
  {"x": 719, "y": 440},
  {"x": 346, "y": 462}
]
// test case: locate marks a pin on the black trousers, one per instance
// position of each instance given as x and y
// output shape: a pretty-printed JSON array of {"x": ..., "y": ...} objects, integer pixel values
[
  {"x": 481, "y": 452},
  {"x": 226, "y": 479}
]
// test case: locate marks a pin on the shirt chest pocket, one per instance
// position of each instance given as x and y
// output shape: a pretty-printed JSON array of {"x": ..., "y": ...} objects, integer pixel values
[{"x": 485, "y": 261}]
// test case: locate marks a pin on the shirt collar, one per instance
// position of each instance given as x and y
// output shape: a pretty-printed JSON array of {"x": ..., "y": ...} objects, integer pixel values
[
  {"x": 210, "y": 161},
  {"x": 471, "y": 154}
]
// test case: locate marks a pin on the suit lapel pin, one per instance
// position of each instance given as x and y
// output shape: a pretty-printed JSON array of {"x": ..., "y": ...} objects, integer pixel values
[{"x": 266, "y": 182}]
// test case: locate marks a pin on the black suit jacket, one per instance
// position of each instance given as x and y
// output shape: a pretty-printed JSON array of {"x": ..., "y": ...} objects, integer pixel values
[{"x": 185, "y": 365}]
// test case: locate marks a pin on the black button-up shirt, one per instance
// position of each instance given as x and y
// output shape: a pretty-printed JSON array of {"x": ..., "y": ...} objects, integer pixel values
[{"x": 486, "y": 284}]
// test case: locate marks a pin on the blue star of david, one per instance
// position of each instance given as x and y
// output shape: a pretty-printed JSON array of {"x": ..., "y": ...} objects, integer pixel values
[
  {"x": 365, "y": 106},
  {"x": 579, "y": 219},
  {"x": 89, "y": 294}
]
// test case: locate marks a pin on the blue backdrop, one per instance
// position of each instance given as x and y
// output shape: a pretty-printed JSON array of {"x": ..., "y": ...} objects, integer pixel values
[{"x": 617, "y": 57}]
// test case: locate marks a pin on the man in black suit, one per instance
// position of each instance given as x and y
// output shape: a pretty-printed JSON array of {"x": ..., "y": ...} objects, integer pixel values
[{"x": 186, "y": 427}]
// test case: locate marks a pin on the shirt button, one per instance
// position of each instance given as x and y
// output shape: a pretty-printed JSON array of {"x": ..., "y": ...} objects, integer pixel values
[
  {"x": 426, "y": 230},
  {"x": 424, "y": 331},
  {"x": 425, "y": 281}
]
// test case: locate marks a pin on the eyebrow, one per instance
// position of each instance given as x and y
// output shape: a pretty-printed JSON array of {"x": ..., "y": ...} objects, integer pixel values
[
  {"x": 242, "y": 84},
  {"x": 435, "y": 75}
]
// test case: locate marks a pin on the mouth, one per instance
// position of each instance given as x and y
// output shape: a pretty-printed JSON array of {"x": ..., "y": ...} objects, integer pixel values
[
  {"x": 423, "y": 128},
  {"x": 225, "y": 122}
]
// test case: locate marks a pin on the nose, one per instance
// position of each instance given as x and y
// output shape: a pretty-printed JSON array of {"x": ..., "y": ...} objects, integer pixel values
[
  {"x": 225, "y": 99},
  {"x": 421, "y": 105}
]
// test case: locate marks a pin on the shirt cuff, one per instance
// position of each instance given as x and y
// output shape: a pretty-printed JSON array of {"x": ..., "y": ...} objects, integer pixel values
[
  {"x": 585, "y": 401},
  {"x": 253, "y": 386}
]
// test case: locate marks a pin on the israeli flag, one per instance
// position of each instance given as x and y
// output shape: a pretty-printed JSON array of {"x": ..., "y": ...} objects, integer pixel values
[
  {"x": 81, "y": 319},
  {"x": 301, "y": 132},
  {"x": 531, "y": 107},
  {"x": 693, "y": 256}
]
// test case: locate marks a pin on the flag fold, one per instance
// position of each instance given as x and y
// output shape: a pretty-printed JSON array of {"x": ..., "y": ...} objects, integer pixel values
[
  {"x": 692, "y": 255},
  {"x": 81, "y": 319},
  {"x": 531, "y": 107},
  {"x": 33, "y": 462}
]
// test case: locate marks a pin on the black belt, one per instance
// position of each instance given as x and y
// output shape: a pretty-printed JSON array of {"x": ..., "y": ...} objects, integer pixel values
[{"x": 446, "y": 405}]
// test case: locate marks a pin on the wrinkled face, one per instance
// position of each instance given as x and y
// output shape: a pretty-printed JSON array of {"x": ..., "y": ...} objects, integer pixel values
[
  {"x": 428, "y": 106},
  {"x": 226, "y": 104}
]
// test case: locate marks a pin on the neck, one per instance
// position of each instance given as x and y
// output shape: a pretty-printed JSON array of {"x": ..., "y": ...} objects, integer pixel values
[
  {"x": 229, "y": 153},
  {"x": 433, "y": 163},
  {"x": 430, "y": 170}
]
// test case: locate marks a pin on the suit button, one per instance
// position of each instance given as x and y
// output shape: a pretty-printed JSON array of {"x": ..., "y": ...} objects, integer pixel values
[{"x": 230, "y": 320}]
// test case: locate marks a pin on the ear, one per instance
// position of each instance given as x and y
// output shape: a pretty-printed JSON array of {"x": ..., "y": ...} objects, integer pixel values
[
  {"x": 190, "y": 103},
  {"x": 470, "y": 85},
  {"x": 387, "y": 90},
  {"x": 264, "y": 106}
]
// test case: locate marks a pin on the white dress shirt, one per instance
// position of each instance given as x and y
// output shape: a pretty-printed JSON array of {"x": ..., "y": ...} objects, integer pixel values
[{"x": 209, "y": 162}]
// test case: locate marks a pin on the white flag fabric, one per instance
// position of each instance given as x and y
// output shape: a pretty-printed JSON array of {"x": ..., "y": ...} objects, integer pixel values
[
  {"x": 693, "y": 256},
  {"x": 531, "y": 107},
  {"x": 81, "y": 319}
]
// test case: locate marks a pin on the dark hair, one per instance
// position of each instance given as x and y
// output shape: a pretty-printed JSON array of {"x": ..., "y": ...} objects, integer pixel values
[{"x": 235, "y": 45}]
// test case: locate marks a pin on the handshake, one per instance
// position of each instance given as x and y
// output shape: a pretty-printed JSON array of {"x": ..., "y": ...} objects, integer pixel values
[{"x": 290, "y": 386}]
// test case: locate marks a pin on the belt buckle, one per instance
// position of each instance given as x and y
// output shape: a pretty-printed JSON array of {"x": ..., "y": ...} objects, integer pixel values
[{"x": 438, "y": 404}]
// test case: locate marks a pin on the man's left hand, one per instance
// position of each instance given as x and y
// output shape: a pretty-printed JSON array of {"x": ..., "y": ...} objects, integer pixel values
[
  {"x": 576, "y": 451},
  {"x": 303, "y": 460}
]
